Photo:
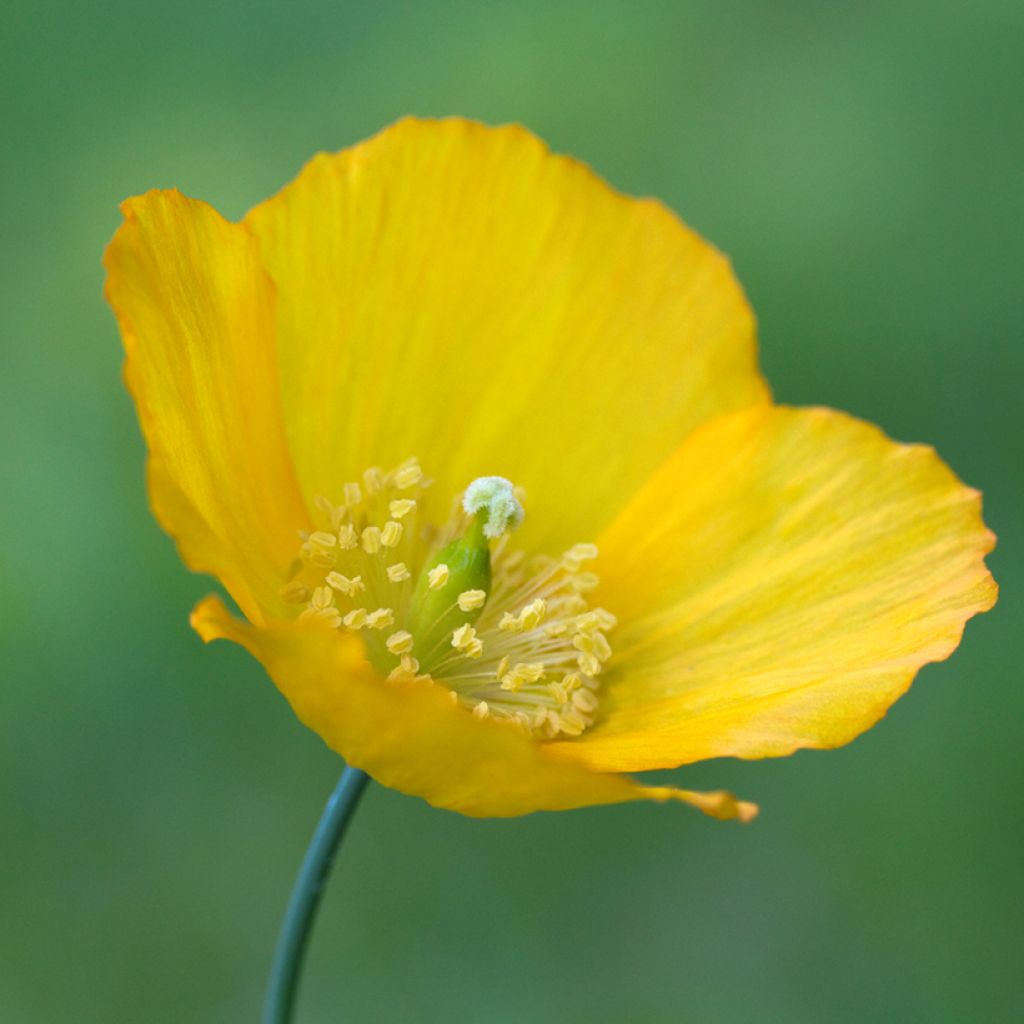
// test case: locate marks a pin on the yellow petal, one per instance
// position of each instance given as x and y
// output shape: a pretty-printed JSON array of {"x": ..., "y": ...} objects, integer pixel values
[
  {"x": 779, "y": 582},
  {"x": 411, "y": 737},
  {"x": 458, "y": 293},
  {"x": 196, "y": 314}
]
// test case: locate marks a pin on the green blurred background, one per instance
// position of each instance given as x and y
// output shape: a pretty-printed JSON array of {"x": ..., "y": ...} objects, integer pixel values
[{"x": 862, "y": 165}]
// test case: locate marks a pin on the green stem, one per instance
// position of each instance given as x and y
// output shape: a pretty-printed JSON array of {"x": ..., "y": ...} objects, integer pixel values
[{"x": 305, "y": 898}]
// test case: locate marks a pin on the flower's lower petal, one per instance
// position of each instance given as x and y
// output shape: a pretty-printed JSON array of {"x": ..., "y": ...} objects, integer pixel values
[
  {"x": 779, "y": 583},
  {"x": 411, "y": 737},
  {"x": 459, "y": 293},
  {"x": 196, "y": 313}
]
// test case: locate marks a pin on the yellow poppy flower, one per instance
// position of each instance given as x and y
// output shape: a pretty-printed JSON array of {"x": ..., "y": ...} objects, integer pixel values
[{"x": 351, "y": 398}]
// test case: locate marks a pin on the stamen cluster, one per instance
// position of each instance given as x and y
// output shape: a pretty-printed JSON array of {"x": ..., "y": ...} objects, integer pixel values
[{"x": 529, "y": 651}]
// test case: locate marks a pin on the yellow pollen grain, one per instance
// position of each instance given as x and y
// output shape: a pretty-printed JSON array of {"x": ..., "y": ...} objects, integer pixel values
[
  {"x": 400, "y": 642},
  {"x": 398, "y": 572},
  {"x": 470, "y": 600},
  {"x": 380, "y": 619},
  {"x": 391, "y": 534},
  {"x": 355, "y": 619},
  {"x": 438, "y": 576},
  {"x": 371, "y": 540},
  {"x": 401, "y": 507}
]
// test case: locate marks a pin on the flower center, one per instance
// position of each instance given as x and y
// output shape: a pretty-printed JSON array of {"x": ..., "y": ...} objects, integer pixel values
[{"x": 511, "y": 637}]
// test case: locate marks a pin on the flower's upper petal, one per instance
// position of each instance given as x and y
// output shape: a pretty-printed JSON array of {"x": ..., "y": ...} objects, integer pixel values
[
  {"x": 458, "y": 293},
  {"x": 411, "y": 737},
  {"x": 196, "y": 314},
  {"x": 779, "y": 583}
]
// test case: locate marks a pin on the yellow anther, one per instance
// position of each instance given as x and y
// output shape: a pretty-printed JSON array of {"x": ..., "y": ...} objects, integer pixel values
[
  {"x": 463, "y": 637},
  {"x": 347, "y": 537},
  {"x": 370, "y": 540},
  {"x": 401, "y": 507},
  {"x": 532, "y": 615},
  {"x": 352, "y": 493},
  {"x": 470, "y": 600},
  {"x": 584, "y": 700},
  {"x": 438, "y": 576},
  {"x": 559, "y": 692},
  {"x": 571, "y": 722},
  {"x": 409, "y": 668},
  {"x": 556, "y": 629},
  {"x": 589, "y": 664},
  {"x": 584, "y": 582},
  {"x": 571, "y": 681},
  {"x": 583, "y": 642},
  {"x": 350, "y": 586},
  {"x": 398, "y": 572},
  {"x": 510, "y": 623},
  {"x": 502, "y": 668},
  {"x": 572, "y": 604},
  {"x": 577, "y": 555},
  {"x": 355, "y": 619},
  {"x": 373, "y": 478},
  {"x": 408, "y": 475},
  {"x": 323, "y": 539},
  {"x": 391, "y": 534},
  {"x": 322, "y": 598},
  {"x": 294, "y": 592},
  {"x": 380, "y": 619},
  {"x": 322, "y": 616},
  {"x": 532, "y": 673},
  {"x": 399, "y": 643},
  {"x": 481, "y": 711}
]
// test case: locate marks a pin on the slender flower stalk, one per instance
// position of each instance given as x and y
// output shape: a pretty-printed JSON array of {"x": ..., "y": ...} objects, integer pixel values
[{"x": 305, "y": 899}]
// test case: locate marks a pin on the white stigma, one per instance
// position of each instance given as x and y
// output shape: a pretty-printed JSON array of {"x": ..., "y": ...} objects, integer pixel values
[{"x": 496, "y": 496}]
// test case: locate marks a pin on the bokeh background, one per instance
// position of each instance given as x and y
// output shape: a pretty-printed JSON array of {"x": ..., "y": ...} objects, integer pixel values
[{"x": 861, "y": 163}]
